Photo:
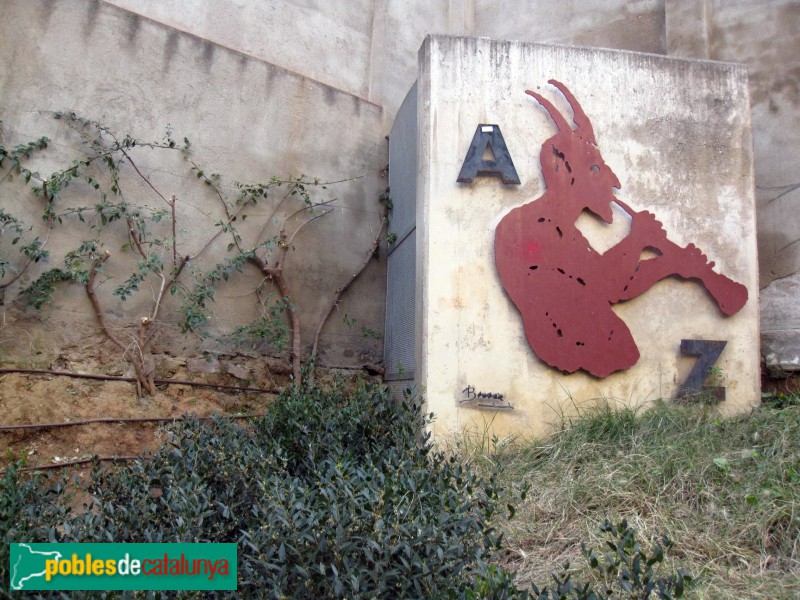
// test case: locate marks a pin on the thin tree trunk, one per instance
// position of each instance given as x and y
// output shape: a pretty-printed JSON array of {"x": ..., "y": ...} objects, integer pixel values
[
  {"x": 297, "y": 346},
  {"x": 275, "y": 273},
  {"x": 144, "y": 381}
]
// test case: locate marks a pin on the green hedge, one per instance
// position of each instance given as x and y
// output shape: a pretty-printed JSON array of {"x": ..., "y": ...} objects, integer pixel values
[{"x": 334, "y": 493}]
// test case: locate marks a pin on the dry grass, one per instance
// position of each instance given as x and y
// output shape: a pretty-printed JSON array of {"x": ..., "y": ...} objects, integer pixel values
[{"x": 727, "y": 492}]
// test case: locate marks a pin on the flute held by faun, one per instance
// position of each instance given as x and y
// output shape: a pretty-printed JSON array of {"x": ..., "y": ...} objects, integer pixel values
[{"x": 729, "y": 295}]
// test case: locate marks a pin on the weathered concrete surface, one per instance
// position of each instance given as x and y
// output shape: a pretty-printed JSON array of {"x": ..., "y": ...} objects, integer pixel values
[
  {"x": 330, "y": 42},
  {"x": 366, "y": 50},
  {"x": 676, "y": 133},
  {"x": 369, "y": 48},
  {"x": 261, "y": 88},
  {"x": 764, "y": 36},
  {"x": 624, "y": 25},
  {"x": 246, "y": 119},
  {"x": 780, "y": 329}
]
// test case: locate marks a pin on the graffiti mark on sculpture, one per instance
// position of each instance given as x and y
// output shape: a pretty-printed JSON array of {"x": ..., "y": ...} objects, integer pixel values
[
  {"x": 478, "y": 399},
  {"x": 561, "y": 285}
]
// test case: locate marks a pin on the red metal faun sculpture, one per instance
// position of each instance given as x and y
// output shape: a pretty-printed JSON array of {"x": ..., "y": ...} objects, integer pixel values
[{"x": 563, "y": 287}]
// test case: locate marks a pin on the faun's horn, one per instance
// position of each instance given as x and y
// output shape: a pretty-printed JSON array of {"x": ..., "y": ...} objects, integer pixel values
[
  {"x": 584, "y": 126},
  {"x": 560, "y": 121}
]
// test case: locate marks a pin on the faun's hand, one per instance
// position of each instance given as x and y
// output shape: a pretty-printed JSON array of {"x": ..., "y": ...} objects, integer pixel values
[
  {"x": 646, "y": 227},
  {"x": 693, "y": 263}
]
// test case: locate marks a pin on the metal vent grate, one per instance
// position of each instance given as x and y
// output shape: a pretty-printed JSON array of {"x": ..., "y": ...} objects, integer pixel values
[
  {"x": 399, "y": 355},
  {"x": 403, "y": 167},
  {"x": 399, "y": 340}
]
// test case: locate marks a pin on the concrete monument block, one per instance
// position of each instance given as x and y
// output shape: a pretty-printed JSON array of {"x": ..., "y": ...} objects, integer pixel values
[{"x": 626, "y": 248}]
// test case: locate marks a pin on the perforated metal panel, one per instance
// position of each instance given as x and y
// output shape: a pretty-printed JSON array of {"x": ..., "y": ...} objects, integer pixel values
[
  {"x": 398, "y": 356},
  {"x": 400, "y": 335},
  {"x": 403, "y": 167}
]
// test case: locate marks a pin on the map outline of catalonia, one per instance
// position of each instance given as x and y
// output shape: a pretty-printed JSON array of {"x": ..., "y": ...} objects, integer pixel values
[{"x": 16, "y": 584}]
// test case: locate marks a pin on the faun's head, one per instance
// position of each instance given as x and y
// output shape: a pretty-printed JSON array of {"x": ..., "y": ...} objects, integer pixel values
[{"x": 571, "y": 161}]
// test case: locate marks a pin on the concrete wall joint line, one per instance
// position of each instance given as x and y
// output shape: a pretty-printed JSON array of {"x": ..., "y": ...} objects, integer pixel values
[
  {"x": 371, "y": 64},
  {"x": 472, "y": 8},
  {"x": 239, "y": 52},
  {"x": 707, "y": 27},
  {"x": 461, "y": 17}
]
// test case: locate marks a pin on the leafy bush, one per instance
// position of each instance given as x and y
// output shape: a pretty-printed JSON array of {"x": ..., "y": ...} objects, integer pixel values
[
  {"x": 332, "y": 494},
  {"x": 29, "y": 511}
]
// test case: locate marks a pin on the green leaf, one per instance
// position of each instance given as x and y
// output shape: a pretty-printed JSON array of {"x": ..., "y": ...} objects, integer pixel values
[{"x": 721, "y": 462}]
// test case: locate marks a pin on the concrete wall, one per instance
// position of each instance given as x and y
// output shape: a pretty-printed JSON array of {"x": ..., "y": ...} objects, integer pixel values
[
  {"x": 330, "y": 42},
  {"x": 369, "y": 48},
  {"x": 764, "y": 37},
  {"x": 657, "y": 131},
  {"x": 246, "y": 118},
  {"x": 345, "y": 67},
  {"x": 261, "y": 88}
]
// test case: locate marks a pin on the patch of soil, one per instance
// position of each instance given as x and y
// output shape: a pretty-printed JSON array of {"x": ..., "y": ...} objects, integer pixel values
[
  {"x": 35, "y": 399},
  {"x": 789, "y": 385}
]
